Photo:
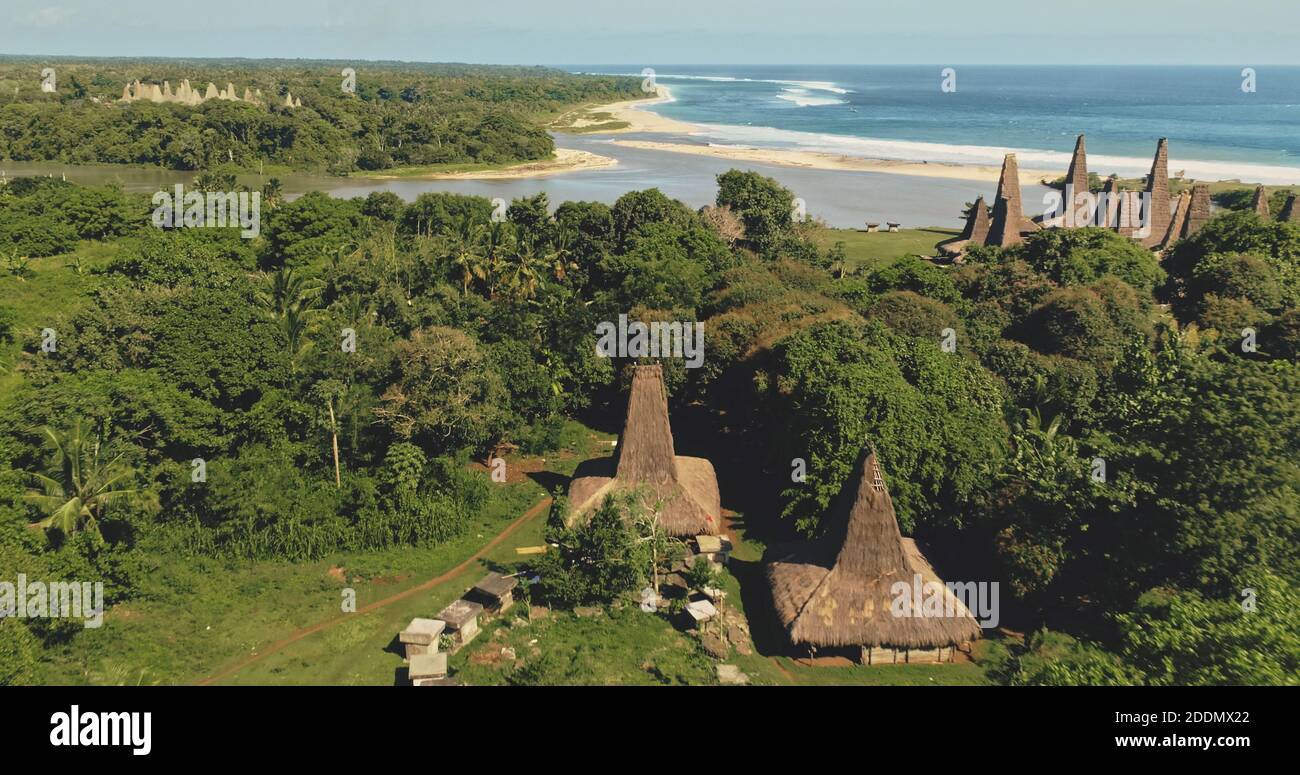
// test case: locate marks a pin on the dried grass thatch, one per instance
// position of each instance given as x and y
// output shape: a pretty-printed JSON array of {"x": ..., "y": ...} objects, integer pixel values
[
  {"x": 684, "y": 488},
  {"x": 840, "y": 591}
]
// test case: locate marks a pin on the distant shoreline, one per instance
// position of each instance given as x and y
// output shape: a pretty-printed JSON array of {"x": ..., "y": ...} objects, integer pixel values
[{"x": 640, "y": 118}]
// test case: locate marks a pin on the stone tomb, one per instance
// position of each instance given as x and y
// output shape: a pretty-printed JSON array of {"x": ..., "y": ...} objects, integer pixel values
[{"x": 421, "y": 637}]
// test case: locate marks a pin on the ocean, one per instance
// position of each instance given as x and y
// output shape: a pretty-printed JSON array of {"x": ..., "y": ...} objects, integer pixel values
[{"x": 1215, "y": 129}]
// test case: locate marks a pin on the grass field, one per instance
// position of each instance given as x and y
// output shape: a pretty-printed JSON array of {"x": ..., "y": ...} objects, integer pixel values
[
  {"x": 196, "y": 617},
  {"x": 869, "y": 250}
]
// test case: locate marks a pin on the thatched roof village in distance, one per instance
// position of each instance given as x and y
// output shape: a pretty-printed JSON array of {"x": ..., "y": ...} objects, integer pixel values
[{"x": 1152, "y": 216}]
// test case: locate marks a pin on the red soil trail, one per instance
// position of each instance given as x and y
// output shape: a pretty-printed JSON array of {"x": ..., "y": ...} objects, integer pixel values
[{"x": 298, "y": 635}]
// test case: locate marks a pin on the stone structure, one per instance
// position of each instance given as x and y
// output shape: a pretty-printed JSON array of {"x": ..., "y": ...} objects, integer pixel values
[{"x": 421, "y": 637}]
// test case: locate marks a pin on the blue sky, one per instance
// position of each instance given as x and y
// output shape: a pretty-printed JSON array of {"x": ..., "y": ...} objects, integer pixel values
[{"x": 1241, "y": 32}]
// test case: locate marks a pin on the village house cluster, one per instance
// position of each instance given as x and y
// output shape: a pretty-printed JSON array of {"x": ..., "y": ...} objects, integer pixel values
[{"x": 1153, "y": 217}]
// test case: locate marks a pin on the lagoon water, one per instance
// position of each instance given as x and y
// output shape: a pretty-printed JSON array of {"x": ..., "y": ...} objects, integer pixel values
[{"x": 845, "y": 199}]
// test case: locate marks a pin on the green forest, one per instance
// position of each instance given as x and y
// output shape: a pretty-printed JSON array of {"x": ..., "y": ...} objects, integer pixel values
[
  {"x": 398, "y": 115},
  {"x": 186, "y": 395}
]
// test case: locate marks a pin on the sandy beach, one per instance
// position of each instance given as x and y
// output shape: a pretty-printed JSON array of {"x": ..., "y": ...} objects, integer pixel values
[
  {"x": 831, "y": 161},
  {"x": 639, "y": 118},
  {"x": 566, "y": 160}
]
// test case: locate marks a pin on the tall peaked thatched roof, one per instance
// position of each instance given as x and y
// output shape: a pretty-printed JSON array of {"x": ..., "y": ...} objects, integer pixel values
[
  {"x": 841, "y": 590},
  {"x": 1261, "y": 201},
  {"x": 977, "y": 223},
  {"x": 1076, "y": 181},
  {"x": 1158, "y": 188},
  {"x": 684, "y": 488},
  {"x": 645, "y": 448},
  {"x": 976, "y": 232},
  {"x": 1290, "y": 212},
  {"x": 1198, "y": 212},
  {"x": 1008, "y": 214},
  {"x": 1179, "y": 223}
]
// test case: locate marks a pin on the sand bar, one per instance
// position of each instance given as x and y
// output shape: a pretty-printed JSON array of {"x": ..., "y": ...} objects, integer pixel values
[{"x": 566, "y": 160}]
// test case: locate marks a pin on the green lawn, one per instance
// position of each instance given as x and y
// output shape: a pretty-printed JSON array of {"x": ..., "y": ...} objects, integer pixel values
[
  {"x": 194, "y": 618},
  {"x": 875, "y": 249}
]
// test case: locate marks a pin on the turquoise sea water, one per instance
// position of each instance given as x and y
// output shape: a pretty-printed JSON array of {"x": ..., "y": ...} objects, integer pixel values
[{"x": 1216, "y": 130}]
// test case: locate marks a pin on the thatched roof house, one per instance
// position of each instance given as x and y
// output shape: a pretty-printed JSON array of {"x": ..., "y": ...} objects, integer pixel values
[
  {"x": 687, "y": 487},
  {"x": 839, "y": 592}
]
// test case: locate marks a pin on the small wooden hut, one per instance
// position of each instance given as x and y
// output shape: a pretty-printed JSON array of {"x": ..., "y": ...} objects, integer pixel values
[
  {"x": 686, "y": 487},
  {"x": 840, "y": 592}
]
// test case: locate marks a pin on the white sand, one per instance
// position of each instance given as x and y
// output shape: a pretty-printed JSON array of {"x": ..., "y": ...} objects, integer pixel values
[{"x": 566, "y": 160}]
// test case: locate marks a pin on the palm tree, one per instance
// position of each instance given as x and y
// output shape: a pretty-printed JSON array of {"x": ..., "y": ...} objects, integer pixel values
[
  {"x": 496, "y": 250},
  {"x": 84, "y": 484},
  {"x": 559, "y": 259},
  {"x": 466, "y": 252},
  {"x": 522, "y": 271},
  {"x": 295, "y": 325},
  {"x": 285, "y": 292}
]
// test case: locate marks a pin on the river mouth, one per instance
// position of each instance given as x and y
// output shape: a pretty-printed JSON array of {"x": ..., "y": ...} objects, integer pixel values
[{"x": 843, "y": 199}]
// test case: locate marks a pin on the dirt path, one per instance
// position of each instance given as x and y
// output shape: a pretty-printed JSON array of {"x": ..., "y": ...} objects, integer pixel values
[{"x": 298, "y": 635}]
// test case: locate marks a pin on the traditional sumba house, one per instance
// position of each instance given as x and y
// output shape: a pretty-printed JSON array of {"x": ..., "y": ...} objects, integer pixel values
[
  {"x": 1198, "y": 210},
  {"x": 1075, "y": 207},
  {"x": 1261, "y": 202},
  {"x": 1289, "y": 212},
  {"x": 1158, "y": 198},
  {"x": 685, "y": 489},
  {"x": 1009, "y": 223},
  {"x": 842, "y": 592},
  {"x": 975, "y": 233}
]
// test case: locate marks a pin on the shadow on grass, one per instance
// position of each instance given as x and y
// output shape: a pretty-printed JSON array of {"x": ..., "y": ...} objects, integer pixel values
[
  {"x": 549, "y": 480},
  {"x": 755, "y": 595}
]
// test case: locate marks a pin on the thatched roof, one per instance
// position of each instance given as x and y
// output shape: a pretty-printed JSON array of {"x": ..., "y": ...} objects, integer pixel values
[
  {"x": 1260, "y": 204},
  {"x": 975, "y": 232},
  {"x": 1290, "y": 212},
  {"x": 840, "y": 591},
  {"x": 1158, "y": 188},
  {"x": 1009, "y": 221},
  {"x": 685, "y": 488}
]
